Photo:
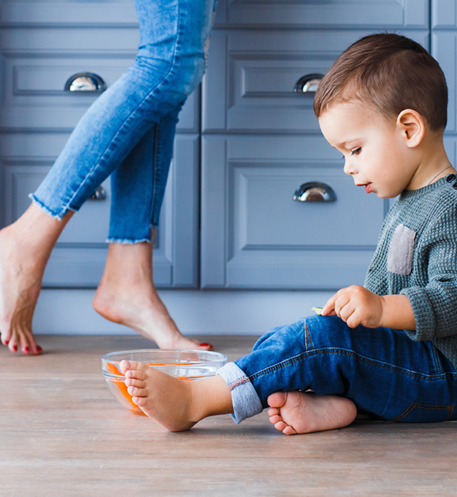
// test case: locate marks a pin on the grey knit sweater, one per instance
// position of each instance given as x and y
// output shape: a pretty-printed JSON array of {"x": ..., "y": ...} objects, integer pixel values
[{"x": 416, "y": 256}]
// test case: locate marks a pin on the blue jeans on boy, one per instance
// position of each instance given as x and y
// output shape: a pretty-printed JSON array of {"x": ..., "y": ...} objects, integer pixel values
[
  {"x": 381, "y": 370},
  {"x": 129, "y": 130}
]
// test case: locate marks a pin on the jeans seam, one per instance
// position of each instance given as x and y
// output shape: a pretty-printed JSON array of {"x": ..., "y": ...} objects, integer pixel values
[
  {"x": 414, "y": 405},
  {"x": 156, "y": 170},
  {"x": 171, "y": 71},
  {"x": 436, "y": 359},
  {"x": 345, "y": 352}
]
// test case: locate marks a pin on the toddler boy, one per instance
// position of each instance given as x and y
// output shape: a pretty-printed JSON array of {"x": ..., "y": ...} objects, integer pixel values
[{"x": 388, "y": 348}]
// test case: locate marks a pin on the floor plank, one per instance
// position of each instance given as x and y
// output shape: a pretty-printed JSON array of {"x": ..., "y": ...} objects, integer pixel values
[{"x": 61, "y": 433}]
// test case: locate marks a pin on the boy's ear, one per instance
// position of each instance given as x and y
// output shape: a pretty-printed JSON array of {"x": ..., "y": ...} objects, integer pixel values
[{"x": 412, "y": 126}]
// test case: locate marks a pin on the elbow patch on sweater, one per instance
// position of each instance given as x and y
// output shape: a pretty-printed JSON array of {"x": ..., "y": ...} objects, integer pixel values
[{"x": 401, "y": 251}]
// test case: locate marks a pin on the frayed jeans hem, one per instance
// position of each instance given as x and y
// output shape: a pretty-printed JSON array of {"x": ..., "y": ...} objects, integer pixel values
[
  {"x": 124, "y": 241},
  {"x": 47, "y": 210}
]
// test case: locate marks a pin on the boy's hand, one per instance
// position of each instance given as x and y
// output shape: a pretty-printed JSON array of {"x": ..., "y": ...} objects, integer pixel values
[{"x": 356, "y": 305}]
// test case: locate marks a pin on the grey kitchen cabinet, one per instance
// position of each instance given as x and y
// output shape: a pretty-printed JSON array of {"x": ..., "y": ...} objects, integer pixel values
[
  {"x": 42, "y": 45},
  {"x": 310, "y": 14},
  {"x": 261, "y": 142},
  {"x": 229, "y": 220},
  {"x": 255, "y": 236}
]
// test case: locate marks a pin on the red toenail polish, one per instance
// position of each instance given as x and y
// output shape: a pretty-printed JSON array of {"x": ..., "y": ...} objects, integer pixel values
[
  {"x": 15, "y": 348},
  {"x": 26, "y": 349},
  {"x": 7, "y": 342},
  {"x": 39, "y": 349},
  {"x": 204, "y": 344}
]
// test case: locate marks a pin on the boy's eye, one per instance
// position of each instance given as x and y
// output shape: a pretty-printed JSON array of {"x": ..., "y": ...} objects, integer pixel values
[{"x": 356, "y": 151}]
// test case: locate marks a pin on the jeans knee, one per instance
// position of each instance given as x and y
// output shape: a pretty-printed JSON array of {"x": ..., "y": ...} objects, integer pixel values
[
  {"x": 174, "y": 78},
  {"x": 327, "y": 331}
]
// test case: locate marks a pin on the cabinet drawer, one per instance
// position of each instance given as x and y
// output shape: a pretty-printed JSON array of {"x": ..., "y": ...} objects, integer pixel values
[
  {"x": 79, "y": 256},
  {"x": 380, "y": 14},
  {"x": 254, "y": 235},
  {"x": 251, "y": 77},
  {"x": 34, "y": 89},
  {"x": 68, "y": 13}
]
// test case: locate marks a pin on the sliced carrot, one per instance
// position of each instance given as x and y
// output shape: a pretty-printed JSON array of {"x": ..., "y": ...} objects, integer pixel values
[{"x": 123, "y": 389}]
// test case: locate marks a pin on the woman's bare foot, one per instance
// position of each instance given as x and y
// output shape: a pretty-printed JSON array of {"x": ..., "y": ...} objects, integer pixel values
[
  {"x": 126, "y": 295},
  {"x": 25, "y": 247},
  {"x": 175, "y": 404},
  {"x": 298, "y": 412}
]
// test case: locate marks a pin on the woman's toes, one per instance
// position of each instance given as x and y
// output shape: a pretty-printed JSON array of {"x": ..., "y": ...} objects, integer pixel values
[{"x": 277, "y": 399}]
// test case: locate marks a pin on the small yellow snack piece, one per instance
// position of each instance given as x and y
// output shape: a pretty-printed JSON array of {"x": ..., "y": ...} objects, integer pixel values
[{"x": 317, "y": 310}]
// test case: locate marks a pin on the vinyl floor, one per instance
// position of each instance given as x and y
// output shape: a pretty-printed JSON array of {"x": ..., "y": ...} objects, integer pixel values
[{"x": 62, "y": 434}]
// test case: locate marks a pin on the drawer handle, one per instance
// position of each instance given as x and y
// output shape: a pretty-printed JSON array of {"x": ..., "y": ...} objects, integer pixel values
[
  {"x": 99, "y": 194},
  {"x": 315, "y": 192},
  {"x": 86, "y": 82},
  {"x": 308, "y": 83}
]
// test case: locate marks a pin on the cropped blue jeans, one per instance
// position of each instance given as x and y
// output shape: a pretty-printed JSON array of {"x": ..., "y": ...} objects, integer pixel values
[
  {"x": 128, "y": 132},
  {"x": 383, "y": 371}
]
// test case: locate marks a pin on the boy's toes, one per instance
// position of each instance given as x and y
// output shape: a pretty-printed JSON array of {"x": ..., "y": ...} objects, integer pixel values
[
  {"x": 134, "y": 382},
  {"x": 137, "y": 392},
  {"x": 280, "y": 425},
  {"x": 277, "y": 399},
  {"x": 133, "y": 366},
  {"x": 288, "y": 430},
  {"x": 273, "y": 411},
  {"x": 139, "y": 401},
  {"x": 275, "y": 419}
]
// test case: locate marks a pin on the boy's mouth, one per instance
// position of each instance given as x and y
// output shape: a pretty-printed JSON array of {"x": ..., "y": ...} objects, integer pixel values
[{"x": 367, "y": 186}]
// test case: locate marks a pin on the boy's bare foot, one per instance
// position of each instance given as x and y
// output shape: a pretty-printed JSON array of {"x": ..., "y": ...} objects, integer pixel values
[
  {"x": 126, "y": 295},
  {"x": 175, "y": 404},
  {"x": 298, "y": 412}
]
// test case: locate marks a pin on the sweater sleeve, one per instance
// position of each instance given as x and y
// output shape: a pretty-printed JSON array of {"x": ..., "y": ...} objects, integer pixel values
[{"x": 435, "y": 305}]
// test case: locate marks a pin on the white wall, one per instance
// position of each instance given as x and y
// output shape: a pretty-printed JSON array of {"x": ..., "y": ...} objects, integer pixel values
[{"x": 195, "y": 311}]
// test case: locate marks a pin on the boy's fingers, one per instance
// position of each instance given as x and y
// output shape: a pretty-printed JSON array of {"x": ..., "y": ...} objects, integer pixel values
[{"x": 329, "y": 307}]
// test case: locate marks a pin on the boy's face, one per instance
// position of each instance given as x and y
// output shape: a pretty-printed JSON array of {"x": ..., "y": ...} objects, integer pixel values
[{"x": 373, "y": 148}]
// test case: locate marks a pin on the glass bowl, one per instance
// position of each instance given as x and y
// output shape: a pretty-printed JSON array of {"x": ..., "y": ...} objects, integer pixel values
[{"x": 183, "y": 364}]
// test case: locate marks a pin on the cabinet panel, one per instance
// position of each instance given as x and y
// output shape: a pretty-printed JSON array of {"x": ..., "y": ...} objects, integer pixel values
[
  {"x": 379, "y": 14},
  {"x": 444, "y": 14},
  {"x": 444, "y": 51},
  {"x": 255, "y": 235},
  {"x": 251, "y": 77},
  {"x": 78, "y": 258},
  {"x": 69, "y": 13},
  {"x": 34, "y": 89}
]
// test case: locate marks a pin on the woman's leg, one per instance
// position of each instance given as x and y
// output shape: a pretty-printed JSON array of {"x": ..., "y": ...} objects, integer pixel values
[
  {"x": 381, "y": 371},
  {"x": 126, "y": 293},
  {"x": 168, "y": 67}
]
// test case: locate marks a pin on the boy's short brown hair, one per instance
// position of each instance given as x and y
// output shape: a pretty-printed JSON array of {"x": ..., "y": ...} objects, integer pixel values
[{"x": 390, "y": 72}]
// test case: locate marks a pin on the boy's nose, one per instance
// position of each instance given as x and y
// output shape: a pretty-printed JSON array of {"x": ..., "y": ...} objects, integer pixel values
[{"x": 347, "y": 167}]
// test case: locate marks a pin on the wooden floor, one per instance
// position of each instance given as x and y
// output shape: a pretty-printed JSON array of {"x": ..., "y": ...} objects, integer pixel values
[{"x": 62, "y": 434}]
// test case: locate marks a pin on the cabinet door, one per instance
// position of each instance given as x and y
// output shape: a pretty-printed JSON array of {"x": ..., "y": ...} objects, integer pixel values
[
  {"x": 79, "y": 256},
  {"x": 380, "y": 14},
  {"x": 42, "y": 45},
  {"x": 254, "y": 235},
  {"x": 249, "y": 85},
  {"x": 444, "y": 51}
]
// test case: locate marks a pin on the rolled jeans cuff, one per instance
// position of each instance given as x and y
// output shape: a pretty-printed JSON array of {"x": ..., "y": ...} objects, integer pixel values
[{"x": 246, "y": 402}]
